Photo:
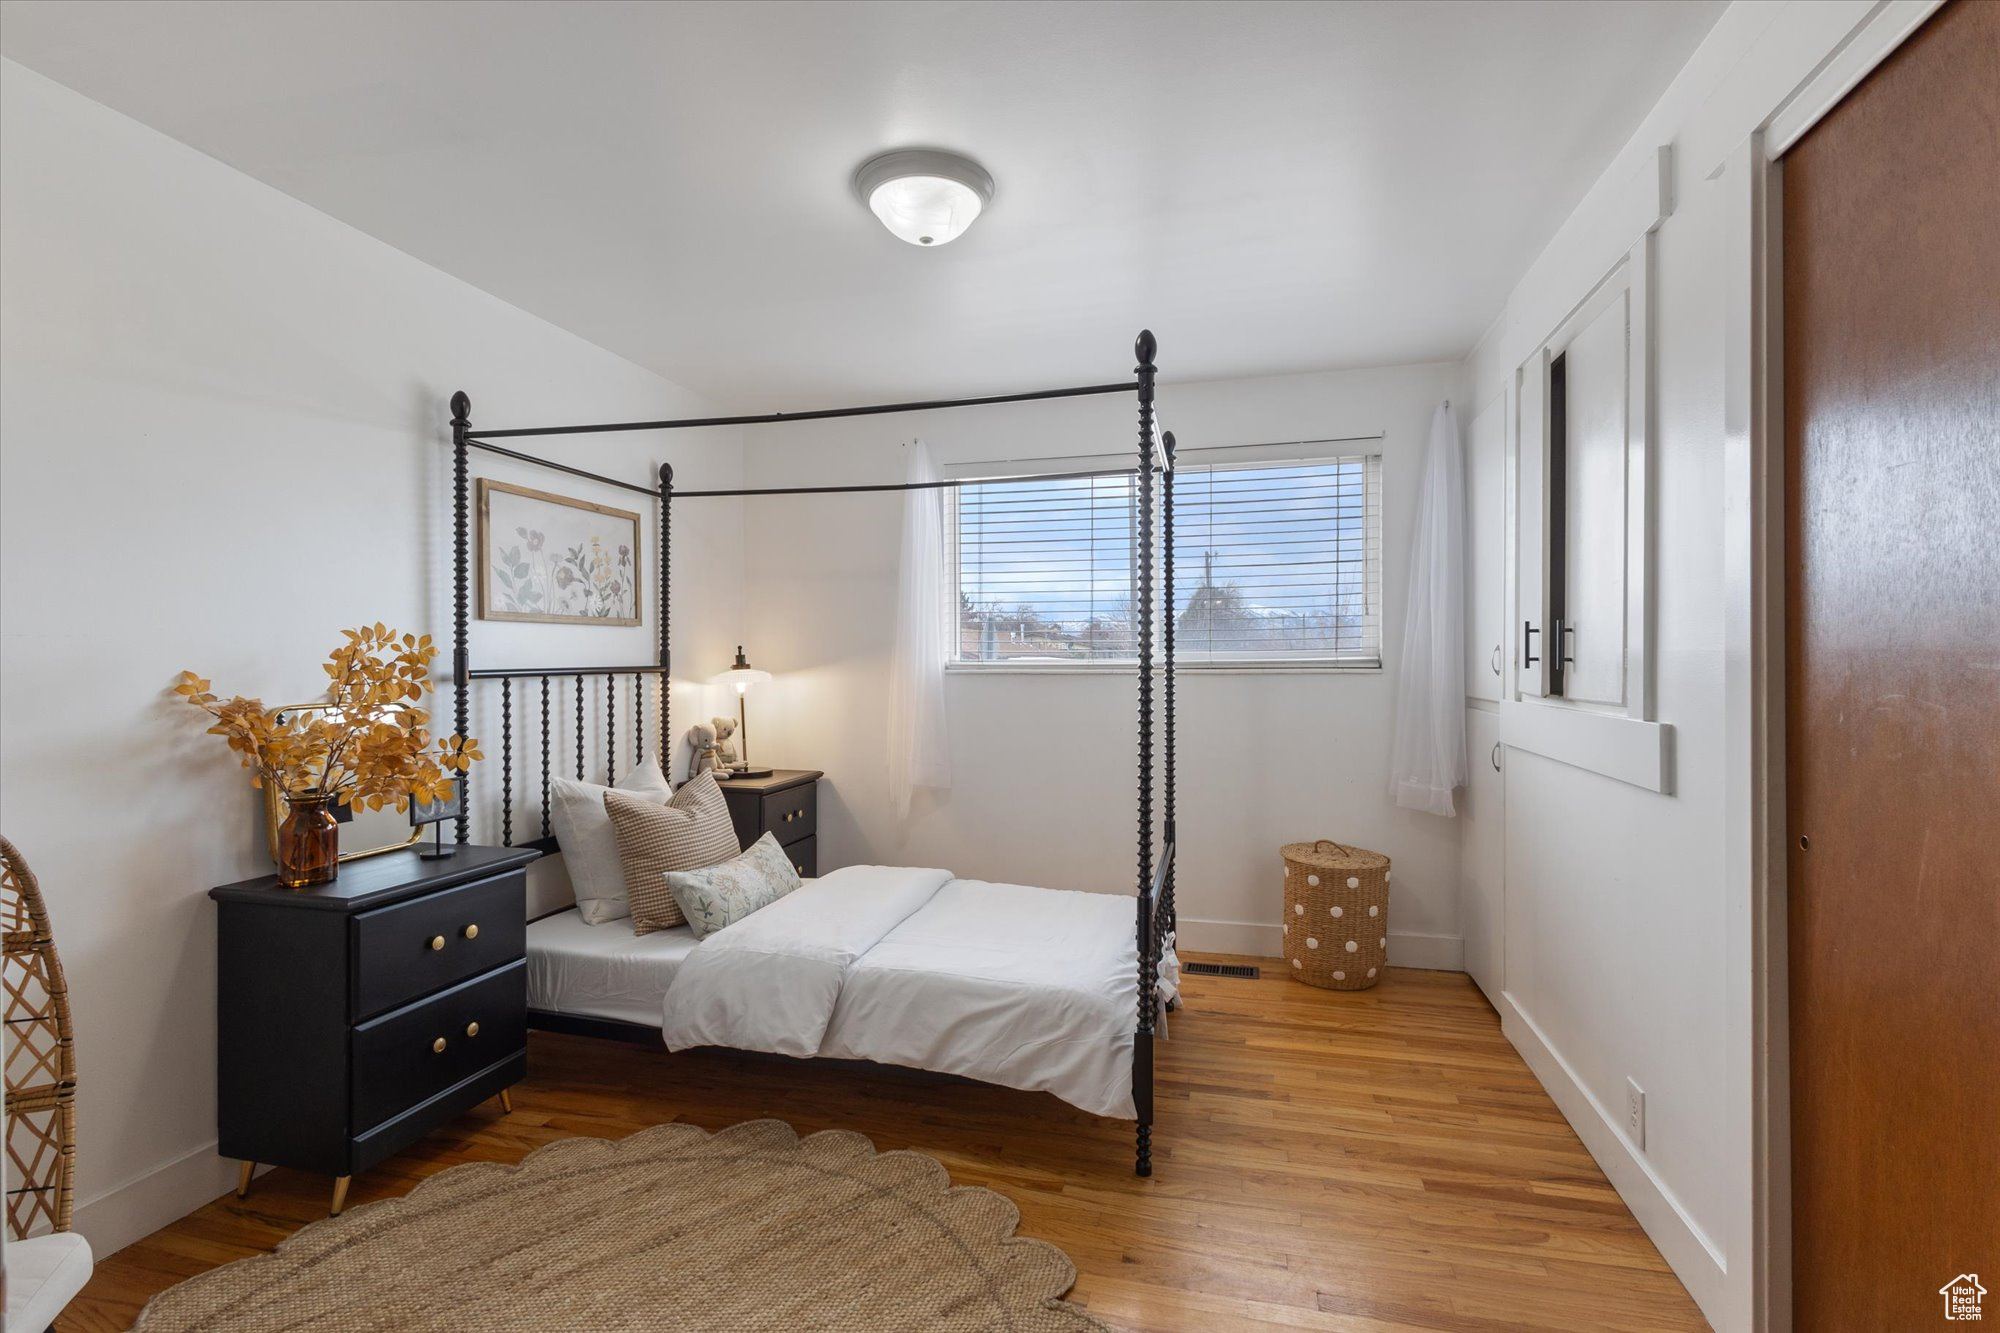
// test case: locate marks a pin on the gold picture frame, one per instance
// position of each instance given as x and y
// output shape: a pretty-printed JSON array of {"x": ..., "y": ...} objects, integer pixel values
[
  {"x": 276, "y": 806},
  {"x": 572, "y": 554}
]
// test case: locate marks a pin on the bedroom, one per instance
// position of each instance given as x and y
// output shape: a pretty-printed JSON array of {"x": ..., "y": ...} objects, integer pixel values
[{"x": 251, "y": 253}]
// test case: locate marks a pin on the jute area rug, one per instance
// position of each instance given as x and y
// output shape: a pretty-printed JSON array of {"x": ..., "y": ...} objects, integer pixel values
[{"x": 674, "y": 1228}]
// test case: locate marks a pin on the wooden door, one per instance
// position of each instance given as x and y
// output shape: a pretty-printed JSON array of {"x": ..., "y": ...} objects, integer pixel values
[{"x": 1892, "y": 400}]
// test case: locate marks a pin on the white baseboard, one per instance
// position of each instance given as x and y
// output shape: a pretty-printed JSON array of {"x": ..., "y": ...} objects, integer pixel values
[
  {"x": 1439, "y": 953},
  {"x": 1695, "y": 1259},
  {"x": 1436, "y": 953},
  {"x": 116, "y": 1217}
]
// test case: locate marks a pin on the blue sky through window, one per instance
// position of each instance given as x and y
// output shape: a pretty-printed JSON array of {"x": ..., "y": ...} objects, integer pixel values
[{"x": 1274, "y": 562}]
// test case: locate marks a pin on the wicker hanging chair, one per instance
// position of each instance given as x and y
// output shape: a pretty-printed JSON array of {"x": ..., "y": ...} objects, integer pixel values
[{"x": 41, "y": 1060}]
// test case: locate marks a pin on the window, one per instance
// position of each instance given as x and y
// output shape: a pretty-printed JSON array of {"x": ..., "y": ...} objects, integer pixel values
[{"x": 1275, "y": 563}]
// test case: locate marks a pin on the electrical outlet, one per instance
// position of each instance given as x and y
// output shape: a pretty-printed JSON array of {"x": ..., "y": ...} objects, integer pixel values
[{"x": 1635, "y": 1114}]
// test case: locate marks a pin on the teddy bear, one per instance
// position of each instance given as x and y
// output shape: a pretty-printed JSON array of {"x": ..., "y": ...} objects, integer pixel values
[
  {"x": 725, "y": 747},
  {"x": 701, "y": 740}
]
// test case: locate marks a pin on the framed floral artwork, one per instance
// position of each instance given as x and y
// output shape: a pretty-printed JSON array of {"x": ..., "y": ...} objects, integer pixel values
[{"x": 555, "y": 560}]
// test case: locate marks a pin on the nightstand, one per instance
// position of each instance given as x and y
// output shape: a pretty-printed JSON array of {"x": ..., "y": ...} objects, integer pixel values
[
  {"x": 353, "y": 1018},
  {"x": 785, "y": 805}
]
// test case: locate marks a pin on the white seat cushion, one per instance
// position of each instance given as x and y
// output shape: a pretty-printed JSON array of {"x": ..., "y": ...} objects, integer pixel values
[{"x": 44, "y": 1274}]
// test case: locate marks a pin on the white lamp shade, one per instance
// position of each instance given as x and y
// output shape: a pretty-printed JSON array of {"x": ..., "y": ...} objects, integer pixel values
[
  {"x": 924, "y": 196},
  {"x": 741, "y": 679}
]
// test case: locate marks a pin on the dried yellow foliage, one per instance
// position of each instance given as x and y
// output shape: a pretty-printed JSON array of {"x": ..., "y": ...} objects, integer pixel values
[{"x": 370, "y": 748}]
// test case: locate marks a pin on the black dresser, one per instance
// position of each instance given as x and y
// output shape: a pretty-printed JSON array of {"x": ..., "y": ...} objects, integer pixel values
[
  {"x": 355, "y": 1017},
  {"x": 785, "y": 805}
]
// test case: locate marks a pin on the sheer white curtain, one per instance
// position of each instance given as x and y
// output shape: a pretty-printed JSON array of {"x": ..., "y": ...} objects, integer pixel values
[
  {"x": 1429, "y": 757},
  {"x": 919, "y": 750}
]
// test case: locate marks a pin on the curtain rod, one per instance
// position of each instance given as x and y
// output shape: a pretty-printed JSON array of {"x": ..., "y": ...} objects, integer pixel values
[{"x": 822, "y": 414}]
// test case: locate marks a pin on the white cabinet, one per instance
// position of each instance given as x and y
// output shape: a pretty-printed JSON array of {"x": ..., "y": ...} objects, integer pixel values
[
  {"x": 1482, "y": 860},
  {"x": 1486, "y": 550}
]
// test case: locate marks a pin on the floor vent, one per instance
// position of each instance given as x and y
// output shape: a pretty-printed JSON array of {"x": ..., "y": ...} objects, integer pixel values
[{"x": 1242, "y": 970}]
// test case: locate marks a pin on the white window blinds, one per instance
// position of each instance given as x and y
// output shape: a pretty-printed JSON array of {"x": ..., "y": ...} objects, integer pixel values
[{"x": 1276, "y": 563}]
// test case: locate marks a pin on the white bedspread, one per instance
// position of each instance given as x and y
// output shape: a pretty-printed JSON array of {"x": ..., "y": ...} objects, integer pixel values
[
  {"x": 1024, "y": 987},
  {"x": 770, "y": 981}
]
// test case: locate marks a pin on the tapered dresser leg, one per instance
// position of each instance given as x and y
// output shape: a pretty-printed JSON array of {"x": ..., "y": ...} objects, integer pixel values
[
  {"x": 244, "y": 1171},
  {"x": 340, "y": 1184},
  {"x": 506, "y": 1101}
]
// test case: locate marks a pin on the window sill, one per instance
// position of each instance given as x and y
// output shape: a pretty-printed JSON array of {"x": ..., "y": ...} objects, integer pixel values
[
  {"x": 1181, "y": 668},
  {"x": 1616, "y": 746}
]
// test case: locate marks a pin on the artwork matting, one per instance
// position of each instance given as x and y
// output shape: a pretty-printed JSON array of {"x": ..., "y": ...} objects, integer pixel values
[{"x": 555, "y": 560}]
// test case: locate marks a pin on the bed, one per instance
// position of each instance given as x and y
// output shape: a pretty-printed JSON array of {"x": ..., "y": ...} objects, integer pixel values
[
  {"x": 1014, "y": 985},
  {"x": 1009, "y": 984}
]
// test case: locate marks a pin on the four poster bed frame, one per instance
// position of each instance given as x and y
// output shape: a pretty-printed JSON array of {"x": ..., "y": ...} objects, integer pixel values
[{"x": 1154, "y": 461}]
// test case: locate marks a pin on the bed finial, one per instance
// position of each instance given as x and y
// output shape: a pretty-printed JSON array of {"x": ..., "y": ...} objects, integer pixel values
[
  {"x": 666, "y": 474},
  {"x": 461, "y": 409},
  {"x": 1144, "y": 347}
]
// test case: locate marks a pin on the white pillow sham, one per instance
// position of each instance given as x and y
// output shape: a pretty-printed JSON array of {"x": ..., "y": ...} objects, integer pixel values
[{"x": 590, "y": 845}]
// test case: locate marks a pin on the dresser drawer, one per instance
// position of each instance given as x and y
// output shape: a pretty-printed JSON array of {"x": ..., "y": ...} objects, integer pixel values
[
  {"x": 408, "y": 1056},
  {"x": 416, "y": 947},
  {"x": 792, "y": 814},
  {"x": 804, "y": 855}
]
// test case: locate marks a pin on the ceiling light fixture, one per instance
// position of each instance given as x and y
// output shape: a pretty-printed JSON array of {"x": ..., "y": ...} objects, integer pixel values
[{"x": 924, "y": 195}]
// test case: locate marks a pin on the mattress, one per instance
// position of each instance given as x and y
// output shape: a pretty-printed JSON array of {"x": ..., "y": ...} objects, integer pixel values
[{"x": 603, "y": 971}]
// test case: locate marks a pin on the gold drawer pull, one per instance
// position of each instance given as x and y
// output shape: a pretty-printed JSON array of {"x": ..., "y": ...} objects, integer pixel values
[
  {"x": 472, "y": 932},
  {"x": 437, "y": 1046},
  {"x": 437, "y": 942},
  {"x": 472, "y": 1029}
]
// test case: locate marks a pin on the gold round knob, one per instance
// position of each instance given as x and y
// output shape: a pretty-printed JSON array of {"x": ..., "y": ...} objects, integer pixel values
[
  {"x": 437, "y": 942},
  {"x": 438, "y": 1046},
  {"x": 472, "y": 1029},
  {"x": 472, "y": 932}
]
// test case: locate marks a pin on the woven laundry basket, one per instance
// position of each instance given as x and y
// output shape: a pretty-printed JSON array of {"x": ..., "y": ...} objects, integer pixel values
[{"x": 1336, "y": 914}]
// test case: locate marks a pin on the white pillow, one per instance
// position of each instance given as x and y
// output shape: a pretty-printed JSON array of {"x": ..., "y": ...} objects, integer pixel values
[{"x": 590, "y": 845}]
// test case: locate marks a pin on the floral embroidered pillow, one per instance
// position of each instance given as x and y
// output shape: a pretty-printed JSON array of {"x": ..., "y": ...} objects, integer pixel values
[{"x": 720, "y": 895}]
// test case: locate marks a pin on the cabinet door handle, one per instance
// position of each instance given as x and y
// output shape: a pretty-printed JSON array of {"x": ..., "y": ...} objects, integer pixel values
[
  {"x": 1528, "y": 633},
  {"x": 437, "y": 942},
  {"x": 1565, "y": 636},
  {"x": 437, "y": 1047},
  {"x": 1496, "y": 659},
  {"x": 1496, "y": 756},
  {"x": 472, "y": 932}
]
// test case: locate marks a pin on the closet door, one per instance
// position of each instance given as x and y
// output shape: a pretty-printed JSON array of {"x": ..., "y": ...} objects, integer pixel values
[
  {"x": 1892, "y": 339},
  {"x": 1482, "y": 859},
  {"x": 1486, "y": 550}
]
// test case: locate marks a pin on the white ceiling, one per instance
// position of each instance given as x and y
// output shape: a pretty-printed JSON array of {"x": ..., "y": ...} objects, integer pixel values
[{"x": 1270, "y": 187}]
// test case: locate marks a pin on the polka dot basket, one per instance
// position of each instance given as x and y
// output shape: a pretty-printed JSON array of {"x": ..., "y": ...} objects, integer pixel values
[{"x": 1336, "y": 914}]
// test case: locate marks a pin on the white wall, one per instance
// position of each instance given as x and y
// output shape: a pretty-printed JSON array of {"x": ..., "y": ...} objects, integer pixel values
[
  {"x": 1044, "y": 765},
  {"x": 222, "y": 438},
  {"x": 1627, "y": 939}
]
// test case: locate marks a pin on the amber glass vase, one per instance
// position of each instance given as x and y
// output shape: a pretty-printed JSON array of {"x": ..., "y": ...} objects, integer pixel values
[{"x": 308, "y": 841}]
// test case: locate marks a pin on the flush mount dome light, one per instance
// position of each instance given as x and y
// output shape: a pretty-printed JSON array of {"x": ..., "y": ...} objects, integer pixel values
[{"x": 923, "y": 195}]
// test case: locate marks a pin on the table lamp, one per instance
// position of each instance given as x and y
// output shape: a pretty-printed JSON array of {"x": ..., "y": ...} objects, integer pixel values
[{"x": 742, "y": 675}]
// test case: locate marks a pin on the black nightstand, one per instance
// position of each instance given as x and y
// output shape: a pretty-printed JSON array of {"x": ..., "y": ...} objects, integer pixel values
[
  {"x": 355, "y": 1017},
  {"x": 785, "y": 805}
]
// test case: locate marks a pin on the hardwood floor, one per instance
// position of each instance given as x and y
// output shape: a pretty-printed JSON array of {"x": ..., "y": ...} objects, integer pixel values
[{"x": 1378, "y": 1160}]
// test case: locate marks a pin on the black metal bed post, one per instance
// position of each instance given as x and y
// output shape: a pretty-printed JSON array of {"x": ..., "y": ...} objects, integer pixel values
[
  {"x": 666, "y": 755},
  {"x": 461, "y": 425},
  {"x": 1166, "y": 927},
  {"x": 1149, "y": 964}
]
